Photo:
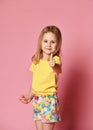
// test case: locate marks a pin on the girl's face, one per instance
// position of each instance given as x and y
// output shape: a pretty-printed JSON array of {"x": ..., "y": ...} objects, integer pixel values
[{"x": 49, "y": 43}]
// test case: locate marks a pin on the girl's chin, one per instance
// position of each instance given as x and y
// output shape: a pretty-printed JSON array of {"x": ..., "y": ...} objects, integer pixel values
[{"x": 47, "y": 52}]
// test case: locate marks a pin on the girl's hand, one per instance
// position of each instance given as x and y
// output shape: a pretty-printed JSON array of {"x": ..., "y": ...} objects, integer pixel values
[
  {"x": 52, "y": 61},
  {"x": 25, "y": 99}
]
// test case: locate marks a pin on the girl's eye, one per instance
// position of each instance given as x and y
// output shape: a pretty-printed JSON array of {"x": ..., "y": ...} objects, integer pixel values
[
  {"x": 45, "y": 41},
  {"x": 52, "y": 41}
]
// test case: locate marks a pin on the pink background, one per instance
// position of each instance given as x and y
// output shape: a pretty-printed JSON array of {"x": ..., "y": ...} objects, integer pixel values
[{"x": 20, "y": 24}]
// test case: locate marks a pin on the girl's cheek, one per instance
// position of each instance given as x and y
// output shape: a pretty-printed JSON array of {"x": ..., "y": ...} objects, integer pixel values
[{"x": 54, "y": 47}]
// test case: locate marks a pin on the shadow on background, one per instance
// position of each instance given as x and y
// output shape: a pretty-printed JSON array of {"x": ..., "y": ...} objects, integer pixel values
[{"x": 71, "y": 101}]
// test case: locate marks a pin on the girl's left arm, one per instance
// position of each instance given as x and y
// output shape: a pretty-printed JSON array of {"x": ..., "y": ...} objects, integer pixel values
[
  {"x": 55, "y": 63},
  {"x": 57, "y": 68}
]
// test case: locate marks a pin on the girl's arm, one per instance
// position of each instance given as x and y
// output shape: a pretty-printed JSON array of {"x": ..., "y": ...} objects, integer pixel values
[
  {"x": 57, "y": 68},
  {"x": 55, "y": 63},
  {"x": 27, "y": 98},
  {"x": 30, "y": 94}
]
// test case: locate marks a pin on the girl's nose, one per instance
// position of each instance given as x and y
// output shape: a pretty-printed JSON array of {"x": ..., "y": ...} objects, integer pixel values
[{"x": 49, "y": 44}]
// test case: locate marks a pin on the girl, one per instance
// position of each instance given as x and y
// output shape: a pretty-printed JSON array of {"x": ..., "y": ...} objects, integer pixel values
[{"x": 46, "y": 66}]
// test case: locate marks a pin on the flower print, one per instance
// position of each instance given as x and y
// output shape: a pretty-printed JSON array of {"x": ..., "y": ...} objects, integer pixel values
[{"x": 45, "y": 109}]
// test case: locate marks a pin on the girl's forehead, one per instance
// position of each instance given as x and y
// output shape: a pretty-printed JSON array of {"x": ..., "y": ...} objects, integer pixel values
[{"x": 49, "y": 35}]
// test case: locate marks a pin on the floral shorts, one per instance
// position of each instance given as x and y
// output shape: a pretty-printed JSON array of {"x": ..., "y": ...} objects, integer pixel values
[{"x": 46, "y": 108}]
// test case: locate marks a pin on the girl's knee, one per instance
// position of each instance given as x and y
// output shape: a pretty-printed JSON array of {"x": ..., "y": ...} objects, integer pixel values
[{"x": 48, "y": 126}]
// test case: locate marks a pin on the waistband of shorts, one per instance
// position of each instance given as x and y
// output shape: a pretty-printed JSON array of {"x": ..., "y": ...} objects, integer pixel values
[{"x": 45, "y": 95}]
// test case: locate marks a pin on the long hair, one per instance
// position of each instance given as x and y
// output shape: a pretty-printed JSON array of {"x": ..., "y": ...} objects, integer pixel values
[{"x": 39, "y": 53}]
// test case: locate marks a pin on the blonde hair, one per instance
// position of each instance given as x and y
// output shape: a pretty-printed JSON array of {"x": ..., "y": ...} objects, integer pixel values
[{"x": 39, "y": 53}]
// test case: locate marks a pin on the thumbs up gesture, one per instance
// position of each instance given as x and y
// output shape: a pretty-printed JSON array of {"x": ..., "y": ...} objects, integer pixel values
[{"x": 52, "y": 61}]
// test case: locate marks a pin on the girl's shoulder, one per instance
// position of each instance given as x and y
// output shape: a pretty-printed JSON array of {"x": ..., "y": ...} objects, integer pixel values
[
  {"x": 32, "y": 67},
  {"x": 57, "y": 59}
]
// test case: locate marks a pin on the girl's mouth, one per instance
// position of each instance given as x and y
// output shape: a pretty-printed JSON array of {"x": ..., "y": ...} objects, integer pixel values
[{"x": 48, "y": 49}]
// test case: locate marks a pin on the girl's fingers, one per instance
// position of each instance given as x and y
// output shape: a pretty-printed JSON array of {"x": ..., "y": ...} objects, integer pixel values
[
  {"x": 52, "y": 61},
  {"x": 24, "y": 99},
  {"x": 51, "y": 56},
  {"x": 22, "y": 96}
]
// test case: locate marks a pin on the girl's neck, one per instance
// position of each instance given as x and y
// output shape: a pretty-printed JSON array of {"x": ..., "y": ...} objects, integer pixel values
[{"x": 45, "y": 56}]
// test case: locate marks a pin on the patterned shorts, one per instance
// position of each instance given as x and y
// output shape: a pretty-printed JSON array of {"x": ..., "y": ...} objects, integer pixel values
[{"x": 46, "y": 108}]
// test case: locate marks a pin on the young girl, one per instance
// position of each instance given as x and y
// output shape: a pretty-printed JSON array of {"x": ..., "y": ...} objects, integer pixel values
[{"x": 46, "y": 66}]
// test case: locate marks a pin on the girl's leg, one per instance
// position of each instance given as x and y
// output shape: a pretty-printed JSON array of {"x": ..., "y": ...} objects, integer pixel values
[
  {"x": 48, "y": 126},
  {"x": 39, "y": 125}
]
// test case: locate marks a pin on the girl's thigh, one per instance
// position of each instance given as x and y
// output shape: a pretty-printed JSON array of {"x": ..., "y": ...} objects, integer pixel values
[
  {"x": 48, "y": 126},
  {"x": 39, "y": 125}
]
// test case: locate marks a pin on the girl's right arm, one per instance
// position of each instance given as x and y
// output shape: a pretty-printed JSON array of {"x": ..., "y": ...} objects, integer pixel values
[
  {"x": 30, "y": 94},
  {"x": 27, "y": 98}
]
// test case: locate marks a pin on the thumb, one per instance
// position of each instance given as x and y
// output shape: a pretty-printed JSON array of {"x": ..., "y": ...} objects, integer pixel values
[{"x": 51, "y": 56}]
